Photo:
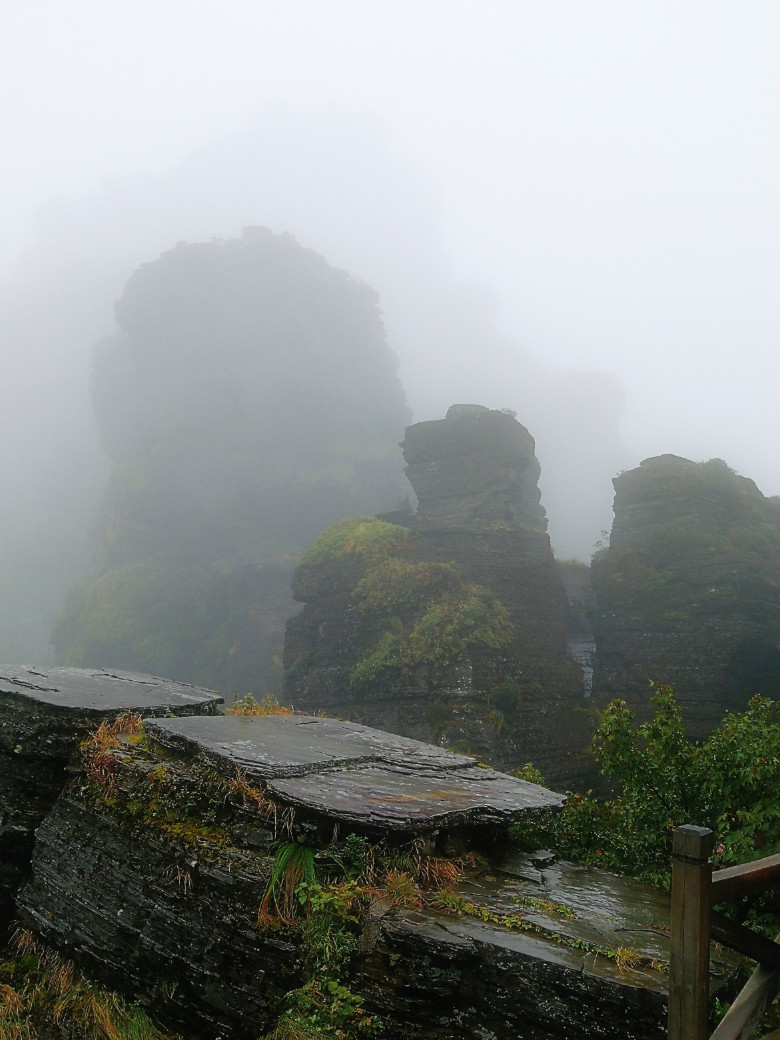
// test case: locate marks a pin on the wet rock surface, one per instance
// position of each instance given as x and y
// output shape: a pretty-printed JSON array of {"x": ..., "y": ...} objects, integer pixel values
[
  {"x": 45, "y": 712},
  {"x": 150, "y": 869},
  {"x": 688, "y": 590},
  {"x": 498, "y": 983},
  {"x": 352, "y": 775}
]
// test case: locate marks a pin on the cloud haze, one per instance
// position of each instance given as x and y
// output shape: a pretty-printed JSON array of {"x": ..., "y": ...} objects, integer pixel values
[{"x": 569, "y": 209}]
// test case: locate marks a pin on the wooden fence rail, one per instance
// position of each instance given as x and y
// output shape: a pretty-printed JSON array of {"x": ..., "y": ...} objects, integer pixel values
[{"x": 695, "y": 888}]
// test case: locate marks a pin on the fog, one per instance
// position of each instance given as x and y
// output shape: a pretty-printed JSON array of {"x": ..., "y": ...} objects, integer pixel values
[{"x": 568, "y": 209}]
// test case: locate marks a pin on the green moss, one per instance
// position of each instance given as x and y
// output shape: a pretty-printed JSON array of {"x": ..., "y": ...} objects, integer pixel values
[
  {"x": 451, "y": 627},
  {"x": 397, "y": 586},
  {"x": 365, "y": 537}
]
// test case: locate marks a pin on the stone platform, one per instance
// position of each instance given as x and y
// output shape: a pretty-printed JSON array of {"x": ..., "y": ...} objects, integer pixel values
[
  {"x": 98, "y": 690},
  {"x": 354, "y": 775},
  {"x": 44, "y": 714}
]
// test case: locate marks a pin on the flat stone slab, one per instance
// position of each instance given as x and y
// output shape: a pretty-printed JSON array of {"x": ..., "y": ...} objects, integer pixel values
[
  {"x": 98, "y": 690},
  {"x": 293, "y": 745},
  {"x": 355, "y": 774}
]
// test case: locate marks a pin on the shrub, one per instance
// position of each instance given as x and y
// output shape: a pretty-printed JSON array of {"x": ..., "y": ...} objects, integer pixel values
[{"x": 727, "y": 782}]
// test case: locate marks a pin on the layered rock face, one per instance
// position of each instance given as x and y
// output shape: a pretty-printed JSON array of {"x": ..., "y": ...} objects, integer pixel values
[
  {"x": 45, "y": 713},
  {"x": 475, "y": 468},
  {"x": 451, "y": 625},
  {"x": 688, "y": 592},
  {"x": 150, "y": 870}
]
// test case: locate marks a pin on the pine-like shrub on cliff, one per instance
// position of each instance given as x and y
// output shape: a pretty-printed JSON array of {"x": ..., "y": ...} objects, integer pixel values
[
  {"x": 248, "y": 400},
  {"x": 728, "y": 782}
]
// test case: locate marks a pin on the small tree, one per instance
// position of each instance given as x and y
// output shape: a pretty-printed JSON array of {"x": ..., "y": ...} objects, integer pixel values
[{"x": 728, "y": 782}]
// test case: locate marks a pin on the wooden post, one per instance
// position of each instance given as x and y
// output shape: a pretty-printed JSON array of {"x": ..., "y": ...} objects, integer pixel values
[{"x": 689, "y": 975}]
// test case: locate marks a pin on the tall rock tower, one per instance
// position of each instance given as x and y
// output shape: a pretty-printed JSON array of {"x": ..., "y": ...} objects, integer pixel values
[
  {"x": 449, "y": 625},
  {"x": 248, "y": 399},
  {"x": 688, "y": 592}
]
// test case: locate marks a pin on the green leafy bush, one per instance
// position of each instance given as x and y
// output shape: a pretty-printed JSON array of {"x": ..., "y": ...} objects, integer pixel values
[
  {"x": 362, "y": 536},
  {"x": 728, "y": 782}
]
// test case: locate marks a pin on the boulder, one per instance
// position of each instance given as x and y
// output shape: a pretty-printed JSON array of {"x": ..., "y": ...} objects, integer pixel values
[{"x": 153, "y": 874}]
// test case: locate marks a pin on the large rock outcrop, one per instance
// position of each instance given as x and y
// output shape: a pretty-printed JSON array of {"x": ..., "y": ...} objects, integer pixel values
[
  {"x": 150, "y": 872},
  {"x": 688, "y": 592},
  {"x": 450, "y": 626},
  {"x": 247, "y": 399},
  {"x": 45, "y": 713}
]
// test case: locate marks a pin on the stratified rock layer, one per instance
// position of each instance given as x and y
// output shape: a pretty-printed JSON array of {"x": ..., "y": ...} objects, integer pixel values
[
  {"x": 45, "y": 713},
  {"x": 355, "y": 776},
  {"x": 688, "y": 592},
  {"x": 450, "y": 626},
  {"x": 150, "y": 877},
  {"x": 474, "y": 468}
]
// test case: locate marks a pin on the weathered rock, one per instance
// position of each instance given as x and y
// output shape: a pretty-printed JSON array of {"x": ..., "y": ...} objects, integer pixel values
[
  {"x": 463, "y": 977},
  {"x": 152, "y": 883},
  {"x": 339, "y": 772},
  {"x": 45, "y": 713},
  {"x": 687, "y": 592},
  {"x": 235, "y": 438},
  {"x": 452, "y": 627},
  {"x": 474, "y": 468}
]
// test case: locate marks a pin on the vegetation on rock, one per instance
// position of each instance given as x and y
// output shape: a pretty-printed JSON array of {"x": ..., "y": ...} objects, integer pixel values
[
  {"x": 43, "y": 996},
  {"x": 411, "y": 612},
  {"x": 687, "y": 589},
  {"x": 467, "y": 619},
  {"x": 365, "y": 537}
]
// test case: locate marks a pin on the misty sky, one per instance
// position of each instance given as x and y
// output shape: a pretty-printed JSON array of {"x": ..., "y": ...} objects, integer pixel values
[{"x": 602, "y": 174}]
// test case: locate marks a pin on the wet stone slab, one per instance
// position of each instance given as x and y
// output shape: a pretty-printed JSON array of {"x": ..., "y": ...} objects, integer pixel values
[
  {"x": 45, "y": 712},
  {"x": 356, "y": 775},
  {"x": 98, "y": 690}
]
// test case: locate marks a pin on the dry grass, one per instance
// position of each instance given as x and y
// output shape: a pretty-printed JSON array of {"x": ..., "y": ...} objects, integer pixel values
[
  {"x": 10, "y": 1003},
  {"x": 181, "y": 876},
  {"x": 98, "y": 752},
  {"x": 401, "y": 889},
  {"x": 240, "y": 789},
  {"x": 626, "y": 959},
  {"x": 267, "y": 706},
  {"x": 51, "y": 989}
]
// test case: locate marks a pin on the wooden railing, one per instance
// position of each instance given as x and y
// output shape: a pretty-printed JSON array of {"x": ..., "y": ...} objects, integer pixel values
[{"x": 695, "y": 890}]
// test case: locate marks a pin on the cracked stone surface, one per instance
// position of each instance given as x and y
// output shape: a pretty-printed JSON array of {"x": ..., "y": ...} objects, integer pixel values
[{"x": 357, "y": 775}]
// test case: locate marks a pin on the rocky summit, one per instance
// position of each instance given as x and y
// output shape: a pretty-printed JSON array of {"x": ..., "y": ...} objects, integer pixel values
[
  {"x": 475, "y": 467},
  {"x": 687, "y": 592}
]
